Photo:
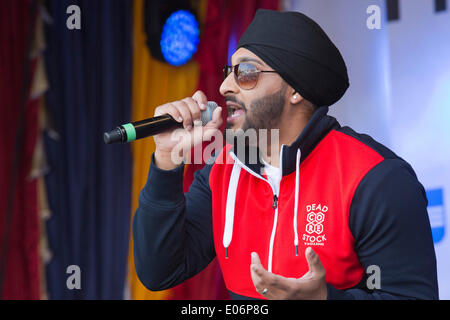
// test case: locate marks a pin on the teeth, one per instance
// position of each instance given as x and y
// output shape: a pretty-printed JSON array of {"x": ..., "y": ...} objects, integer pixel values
[{"x": 236, "y": 113}]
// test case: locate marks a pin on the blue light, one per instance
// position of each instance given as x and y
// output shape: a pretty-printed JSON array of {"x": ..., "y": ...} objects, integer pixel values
[
  {"x": 180, "y": 37},
  {"x": 436, "y": 213}
]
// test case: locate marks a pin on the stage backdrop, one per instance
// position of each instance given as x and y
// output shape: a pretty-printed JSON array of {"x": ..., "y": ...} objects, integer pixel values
[
  {"x": 89, "y": 183},
  {"x": 399, "y": 92},
  {"x": 19, "y": 231}
]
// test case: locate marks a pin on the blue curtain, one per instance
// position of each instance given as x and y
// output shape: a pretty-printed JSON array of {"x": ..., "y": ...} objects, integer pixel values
[{"x": 89, "y": 184}]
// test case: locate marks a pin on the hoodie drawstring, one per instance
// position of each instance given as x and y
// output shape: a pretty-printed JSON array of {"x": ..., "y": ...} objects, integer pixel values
[
  {"x": 231, "y": 201},
  {"x": 229, "y": 211},
  {"x": 297, "y": 187}
]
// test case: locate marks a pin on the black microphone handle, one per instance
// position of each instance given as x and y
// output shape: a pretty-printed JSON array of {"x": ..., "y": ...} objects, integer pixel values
[
  {"x": 156, "y": 125},
  {"x": 152, "y": 126},
  {"x": 141, "y": 129}
]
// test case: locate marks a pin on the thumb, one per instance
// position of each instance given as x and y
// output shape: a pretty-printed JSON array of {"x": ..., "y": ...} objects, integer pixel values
[
  {"x": 216, "y": 119},
  {"x": 314, "y": 264},
  {"x": 212, "y": 128},
  {"x": 255, "y": 259}
]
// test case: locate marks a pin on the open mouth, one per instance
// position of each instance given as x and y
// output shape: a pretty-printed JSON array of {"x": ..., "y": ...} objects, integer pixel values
[{"x": 234, "y": 112}]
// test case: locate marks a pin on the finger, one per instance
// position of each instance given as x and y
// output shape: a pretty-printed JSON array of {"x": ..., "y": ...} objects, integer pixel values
[
  {"x": 314, "y": 264},
  {"x": 216, "y": 119},
  {"x": 258, "y": 282},
  {"x": 265, "y": 279},
  {"x": 256, "y": 271},
  {"x": 170, "y": 110},
  {"x": 211, "y": 130},
  {"x": 162, "y": 109},
  {"x": 195, "y": 110},
  {"x": 262, "y": 279},
  {"x": 201, "y": 99},
  {"x": 255, "y": 259},
  {"x": 185, "y": 112}
]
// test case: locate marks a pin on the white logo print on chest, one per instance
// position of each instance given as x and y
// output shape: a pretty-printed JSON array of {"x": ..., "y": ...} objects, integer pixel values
[{"x": 315, "y": 216}]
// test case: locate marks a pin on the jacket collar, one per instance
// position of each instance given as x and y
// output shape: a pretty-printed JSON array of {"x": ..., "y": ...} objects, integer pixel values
[{"x": 315, "y": 130}]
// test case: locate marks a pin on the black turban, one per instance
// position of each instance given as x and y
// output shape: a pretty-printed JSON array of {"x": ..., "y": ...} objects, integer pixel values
[{"x": 300, "y": 51}]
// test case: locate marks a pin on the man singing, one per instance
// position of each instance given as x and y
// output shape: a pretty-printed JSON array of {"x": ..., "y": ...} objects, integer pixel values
[{"x": 325, "y": 213}]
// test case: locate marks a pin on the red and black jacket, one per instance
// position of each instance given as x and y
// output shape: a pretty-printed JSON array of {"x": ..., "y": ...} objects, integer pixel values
[{"x": 350, "y": 198}]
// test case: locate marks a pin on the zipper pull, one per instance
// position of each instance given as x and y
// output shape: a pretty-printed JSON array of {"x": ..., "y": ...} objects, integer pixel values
[{"x": 275, "y": 202}]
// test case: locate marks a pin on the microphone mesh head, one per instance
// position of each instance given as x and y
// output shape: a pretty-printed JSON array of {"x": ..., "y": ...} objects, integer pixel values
[{"x": 207, "y": 114}]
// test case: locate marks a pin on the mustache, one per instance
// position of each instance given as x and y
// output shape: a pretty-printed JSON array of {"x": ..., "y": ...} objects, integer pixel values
[{"x": 234, "y": 100}]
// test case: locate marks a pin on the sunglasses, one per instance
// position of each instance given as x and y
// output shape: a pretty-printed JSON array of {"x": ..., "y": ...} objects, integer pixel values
[{"x": 246, "y": 75}]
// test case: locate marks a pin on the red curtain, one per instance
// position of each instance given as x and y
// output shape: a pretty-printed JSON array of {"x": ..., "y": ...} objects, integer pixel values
[
  {"x": 225, "y": 20},
  {"x": 21, "y": 274}
]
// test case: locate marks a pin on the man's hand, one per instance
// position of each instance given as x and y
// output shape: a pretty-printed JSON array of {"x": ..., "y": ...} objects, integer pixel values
[
  {"x": 312, "y": 286},
  {"x": 171, "y": 145}
]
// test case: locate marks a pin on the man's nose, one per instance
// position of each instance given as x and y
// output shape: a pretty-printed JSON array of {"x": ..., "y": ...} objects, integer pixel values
[{"x": 229, "y": 85}]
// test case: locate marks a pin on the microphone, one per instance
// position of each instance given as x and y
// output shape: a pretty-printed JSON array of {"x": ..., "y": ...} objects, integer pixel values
[{"x": 149, "y": 127}]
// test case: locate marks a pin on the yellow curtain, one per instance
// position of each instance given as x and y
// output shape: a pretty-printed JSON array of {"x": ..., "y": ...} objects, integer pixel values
[{"x": 154, "y": 83}]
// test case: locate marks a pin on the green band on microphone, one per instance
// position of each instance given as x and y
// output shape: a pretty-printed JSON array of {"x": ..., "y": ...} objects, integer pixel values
[{"x": 131, "y": 132}]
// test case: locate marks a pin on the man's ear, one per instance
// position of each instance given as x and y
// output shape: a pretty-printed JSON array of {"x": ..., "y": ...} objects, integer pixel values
[{"x": 296, "y": 98}]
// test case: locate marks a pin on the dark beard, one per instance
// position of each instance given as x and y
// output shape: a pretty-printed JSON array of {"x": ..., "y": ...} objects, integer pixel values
[{"x": 266, "y": 112}]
